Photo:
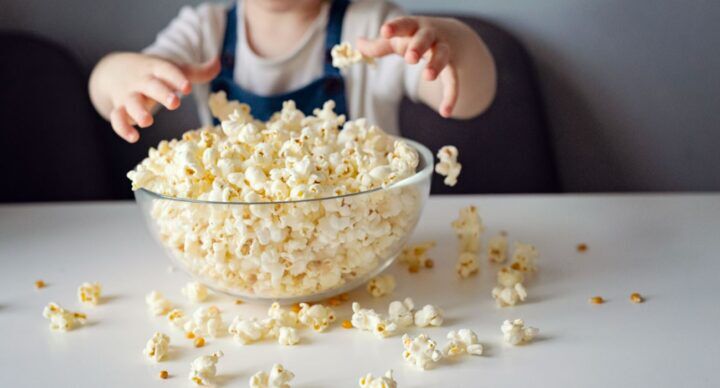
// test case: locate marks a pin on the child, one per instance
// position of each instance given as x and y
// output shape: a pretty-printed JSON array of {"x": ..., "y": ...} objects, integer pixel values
[{"x": 262, "y": 52}]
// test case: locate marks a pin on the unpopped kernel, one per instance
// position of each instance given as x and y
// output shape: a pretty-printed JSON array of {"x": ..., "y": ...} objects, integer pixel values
[
  {"x": 157, "y": 347},
  {"x": 515, "y": 332},
  {"x": 448, "y": 165},
  {"x": 61, "y": 319},
  {"x": 462, "y": 341},
  {"x": 279, "y": 377},
  {"x": 89, "y": 293},
  {"x": 316, "y": 316},
  {"x": 429, "y": 315},
  {"x": 344, "y": 55},
  {"x": 203, "y": 369},
  {"x": 386, "y": 381},
  {"x": 157, "y": 304},
  {"x": 381, "y": 285},
  {"x": 421, "y": 351},
  {"x": 509, "y": 296},
  {"x": 196, "y": 292}
]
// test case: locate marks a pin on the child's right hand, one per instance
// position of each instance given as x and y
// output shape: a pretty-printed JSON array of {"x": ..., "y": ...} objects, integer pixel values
[{"x": 126, "y": 87}]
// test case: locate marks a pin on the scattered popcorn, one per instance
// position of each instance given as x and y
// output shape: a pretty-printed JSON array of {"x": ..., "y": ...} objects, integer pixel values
[
  {"x": 448, "y": 165},
  {"x": 524, "y": 257},
  {"x": 582, "y": 248},
  {"x": 246, "y": 331},
  {"x": 429, "y": 316},
  {"x": 157, "y": 304},
  {"x": 40, "y": 284},
  {"x": 509, "y": 296},
  {"x": 89, "y": 293},
  {"x": 196, "y": 292},
  {"x": 288, "y": 336},
  {"x": 415, "y": 256},
  {"x": 279, "y": 377},
  {"x": 157, "y": 347},
  {"x": 597, "y": 300},
  {"x": 421, "y": 351},
  {"x": 369, "y": 320},
  {"x": 316, "y": 316},
  {"x": 203, "y": 369},
  {"x": 281, "y": 316},
  {"x": 462, "y": 341},
  {"x": 467, "y": 264},
  {"x": 164, "y": 374},
  {"x": 515, "y": 332},
  {"x": 206, "y": 321},
  {"x": 508, "y": 277},
  {"x": 386, "y": 381},
  {"x": 344, "y": 55},
  {"x": 401, "y": 312},
  {"x": 635, "y": 297},
  {"x": 497, "y": 249},
  {"x": 346, "y": 324},
  {"x": 469, "y": 227},
  {"x": 381, "y": 285},
  {"x": 61, "y": 319},
  {"x": 176, "y": 317}
]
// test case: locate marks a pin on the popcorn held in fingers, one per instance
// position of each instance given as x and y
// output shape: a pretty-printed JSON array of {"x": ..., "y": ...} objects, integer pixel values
[
  {"x": 515, "y": 332},
  {"x": 279, "y": 377},
  {"x": 467, "y": 265},
  {"x": 386, "y": 381},
  {"x": 416, "y": 256},
  {"x": 206, "y": 321},
  {"x": 401, "y": 312},
  {"x": 524, "y": 257},
  {"x": 288, "y": 336},
  {"x": 429, "y": 315},
  {"x": 344, "y": 55},
  {"x": 509, "y": 296},
  {"x": 247, "y": 331},
  {"x": 157, "y": 304},
  {"x": 381, "y": 285},
  {"x": 497, "y": 249},
  {"x": 468, "y": 228},
  {"x": 196, "y": 292},
  {"x": 421, "y": 351},
  {"x": 448, "y": 165},
  {"x": 89, "y": 293},
  {"x": 61, "y": 319},
  {"x": 177, "y": 318},
  {"x": 204, "y": 368},
  {"x": 369, "y": 320},
  {"x": 316, "y": 316},
  {"x": 508, "y": 277},
  {"x": 157, "y": 347},
  {"x": 461, "y": 342}
]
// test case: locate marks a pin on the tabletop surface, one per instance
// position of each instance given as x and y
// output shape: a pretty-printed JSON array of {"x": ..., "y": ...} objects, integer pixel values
[{"x": 663, "y": 246}]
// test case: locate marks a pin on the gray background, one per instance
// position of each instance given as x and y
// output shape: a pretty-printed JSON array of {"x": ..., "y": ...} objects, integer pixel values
[{"x": 632, "y": 87}]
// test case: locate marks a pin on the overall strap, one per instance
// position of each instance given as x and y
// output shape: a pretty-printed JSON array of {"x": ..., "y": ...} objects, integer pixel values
[
  {"x": 333, "y": 32},
  {"x": 227, "y": 55}
]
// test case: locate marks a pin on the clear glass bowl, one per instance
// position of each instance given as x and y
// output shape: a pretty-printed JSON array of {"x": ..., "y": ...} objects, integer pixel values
[{"x": 290, "y": 251}]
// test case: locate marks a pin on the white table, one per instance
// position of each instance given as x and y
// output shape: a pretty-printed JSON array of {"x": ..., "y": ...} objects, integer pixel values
[{"x": 664, "y": 246}]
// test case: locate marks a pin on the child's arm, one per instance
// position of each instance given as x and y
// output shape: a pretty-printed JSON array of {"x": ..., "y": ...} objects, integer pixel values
[
  {"x": 459, "y": 78},
  {"x": 125, "y": 88}
]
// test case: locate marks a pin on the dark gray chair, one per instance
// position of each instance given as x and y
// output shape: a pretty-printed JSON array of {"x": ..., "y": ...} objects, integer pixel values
[{"x": 505, "y": 150}]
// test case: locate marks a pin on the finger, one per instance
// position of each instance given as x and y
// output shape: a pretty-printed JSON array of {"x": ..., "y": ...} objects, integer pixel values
[
  {"x": 159, "y": 91},
  {"x": 173, "y": 76},
  {"x": 121, "y": 125},
  {"x": 449, "y": 80},
  {"x": 402, "y": 26},
  {"x": 375, "y": 48},
  {"x": 419, "y": 44},
  {"x": 135, "y": 108},
  {"x": 439, "y": 59},
  {"x": 203, "y": 73}
]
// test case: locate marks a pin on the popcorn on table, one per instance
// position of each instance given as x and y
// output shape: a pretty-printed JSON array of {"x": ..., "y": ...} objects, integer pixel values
[
  {"x": 448, "y": 165},
  {"x": 288, "y": 336},
  {"x": 369, "y": 320},
  {"x": 203, "y": 369},
  {"x": 196, "y": 292},
  {"x": 515, "y": 332},
  {"x": 157, "y": 304},
  {"x": 509, "y": 296},
  {"x": 467, "y": 265},
  {"x": 246, "y": 331},
  {"x": 468, "y": 228},
  {"x": 317, "y": 316},
  {"x": 279, "y": 377},
  {"x": 61, "y": 319},
  {"x": 386, "y": 381},
  {"x": 497, "y": 249},
  {"x": 157, "y": 347},
  {"x": 381, "y": 285},
  {"x": 509, "y": 277},
  {"x": 206, "y": 321},
  {"x": 421, "y": 351},
  {"x": 429, "y": 315},
  {"x": 415, "y": 256},
  {"x": 463, "y": 341},
  {"x": 344, "y": 55},
  {"x": 401, "y": 312},
  {"x": 524, "y": 257},
  {"x": 281, "y": 316},
  {"x": 89, "y": 293},
  {"x": 177, "y": 319}
]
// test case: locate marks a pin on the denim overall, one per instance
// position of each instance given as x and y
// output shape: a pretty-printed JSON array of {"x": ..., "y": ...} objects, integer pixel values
[{"x": 328, "y": 87}]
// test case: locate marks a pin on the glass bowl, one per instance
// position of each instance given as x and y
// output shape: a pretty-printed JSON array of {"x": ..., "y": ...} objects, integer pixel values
[{"x": 291, "y": 251}]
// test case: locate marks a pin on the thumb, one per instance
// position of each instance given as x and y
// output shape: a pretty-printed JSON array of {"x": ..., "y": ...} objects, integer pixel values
[{"x": 203, "y": 73}]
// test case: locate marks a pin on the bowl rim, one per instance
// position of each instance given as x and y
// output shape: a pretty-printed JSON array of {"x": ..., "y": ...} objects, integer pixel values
[{"x": 422, "y": 150}]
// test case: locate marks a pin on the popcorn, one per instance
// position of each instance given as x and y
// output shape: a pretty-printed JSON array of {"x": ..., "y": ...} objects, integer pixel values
[
  {"x": 344, "y": 56},
  {"x": 497, "y": 249},
  {"x": 415, "y": 256},
  {"x": 462, "y": 341},
  {"x": 508, "y": 277},
  {"x": 448, "y": 165},
  {"x": 61, "y": 319},
  {"x": 177, "y": 319},
  {"x": 509, "y": 296},
  {"x": 386, "y": 381},
  {"x": 279, "y": 377},
  {"x": 421, "y": 351},
  {"x": 469, "y": 227},
  {"x": 515, "y": 332},
  {"x": 157, "y": 304},
  {"x": 288, "y": 336},
  {"x": 524, "y": 257},
  {"x": 157, "y": 347},
  {"x": 401, "y": 312},
  {"x": 381, "y": 285},
  {"x": 281, "y": 316},
  {"x": 246, "y": 331},
  {"x": 203, "y": 369},
  {"x": 206, "y": 321},
  {"x": 467, "y": 264},
  {"x": 429, "y": 316},
  {"x": 89, "y": 293},
  {"x": 369, "y": 320},
  {"x": 196, "y": 292},
  {"x": 316, "y": 316}
]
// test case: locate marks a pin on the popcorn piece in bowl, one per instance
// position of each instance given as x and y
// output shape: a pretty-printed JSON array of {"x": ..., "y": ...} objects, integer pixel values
[
  {"x": 415, "y": 256},
  {"x": 515, "y": 332},
  {"x": 279, "y": 377},
  {"x": 61, "y": 319},
  {"x": 448, "y": 165},
  {"x": 89, "y": 293},
  {"x": 463, "y": 341},
  {"x": 344, "y": 55},
  {"x": 429, "y": 315},
  {"x": 401, "y": 312},
  {"x": 204, "y": 368},
  {"x": 157, "y": 304},
  {"x": 317, "y": 316},
  {"x": 509, "y": 296},
  {"x": 381, "y": 285},
  {"x": 524, "y": 257},
  {"x": 467, "y": 264},
  {"x": 196, "y": 292},
  {"x": 497, "y": 249},
  {"x": 157, "y": 347},
  {"x": 385, "y": 381},
  {"x": 421, "y": 351}
]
